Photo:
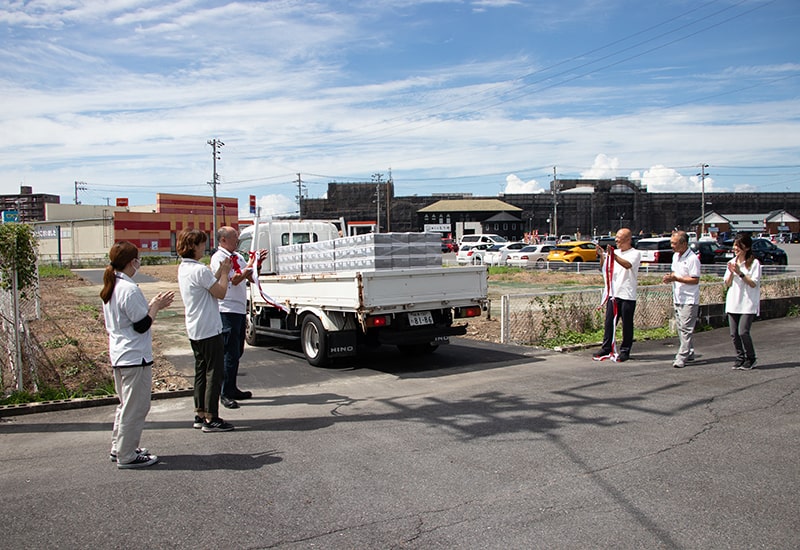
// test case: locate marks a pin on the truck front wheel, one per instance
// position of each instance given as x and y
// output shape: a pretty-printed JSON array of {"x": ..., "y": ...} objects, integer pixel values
[
  {"x": 250, "y": 335},
  {"x": 314, "y": 341}
]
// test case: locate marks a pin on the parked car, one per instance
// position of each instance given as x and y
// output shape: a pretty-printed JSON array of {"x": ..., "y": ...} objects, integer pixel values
[
  {"x": 497, "y": 254},
  {"x": 471, "y": 254},
  {"x": 566, "y": 239},
  {"x": 794, "y": 237},
  {"x": 483, "y": 239},
  {"x": 655, "y": 250},
  {"x": 579, "y": 251},
  {"x": 533, "y": 255},
  {"x": 710, "y": 252},
  {"x": 549, "y": 239},
  {"x": 765, "y": 251}
]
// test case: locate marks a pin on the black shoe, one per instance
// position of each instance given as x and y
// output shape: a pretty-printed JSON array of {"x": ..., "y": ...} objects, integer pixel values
[
  {"x": 228, "y": 403},
  {"x": 141, "y": 461},
  {"x": 139, "y": 451},
  {"x": 749, "y": 364},
  {"x": 217, "y": 425},
  {"x": 602, "y": 355},
  {"x": 242, "y": 395},
  {"x": 738, "y": 364},
  {"x": 622, "y": 357},
  {"x": 198, "y": 423}
]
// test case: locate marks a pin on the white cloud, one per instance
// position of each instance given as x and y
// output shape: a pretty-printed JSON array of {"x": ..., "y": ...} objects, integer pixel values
[
  {"x": 660, "y": 179},
  {"x": 272, "y": 206},
  {"x": 603, "y": 168},
  {"x": 515, "y": 185}
]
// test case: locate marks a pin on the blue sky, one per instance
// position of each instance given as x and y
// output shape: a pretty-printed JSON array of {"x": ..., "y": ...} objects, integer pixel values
[{"x": 483, "y": 96}]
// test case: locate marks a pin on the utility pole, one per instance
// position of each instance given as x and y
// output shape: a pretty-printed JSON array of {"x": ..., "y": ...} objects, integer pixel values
[
  {"x": 215, "y": 146},
  {"x": 377, "y": 179},
  {"x": 79, "y": 185},
  {"x": 300, "y": 195},
  {"x": 702, "y": 175},
  {"x": 389, "y": 185}
]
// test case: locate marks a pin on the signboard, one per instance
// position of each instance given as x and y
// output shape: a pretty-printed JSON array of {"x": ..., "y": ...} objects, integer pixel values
[
  {"x": 10, "y": 216},
  {"x": 252, "y": 204},
  {"x": 784, "y": 228},
  {"x": 122, "y": 201},
  {"x": 437, "y": 228},
  {"x": 46, "y": 232},
  {"x": 153, "y": 245}
]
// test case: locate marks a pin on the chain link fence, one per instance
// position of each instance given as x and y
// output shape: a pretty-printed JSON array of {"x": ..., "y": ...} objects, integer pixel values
[
  {"x": 17, "y": 359},
  {"x": 531, "y": 319}
]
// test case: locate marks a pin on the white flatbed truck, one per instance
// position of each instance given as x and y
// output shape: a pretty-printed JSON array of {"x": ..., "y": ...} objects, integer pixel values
[{"x": 333, "y": 315}]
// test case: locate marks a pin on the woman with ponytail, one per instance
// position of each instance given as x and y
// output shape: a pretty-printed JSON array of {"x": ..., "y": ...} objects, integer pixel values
[{"x": 128, "y": 317}]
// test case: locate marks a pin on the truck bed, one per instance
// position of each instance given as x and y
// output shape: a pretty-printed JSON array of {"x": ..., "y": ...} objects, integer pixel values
[{"x": 381, "y": 291}]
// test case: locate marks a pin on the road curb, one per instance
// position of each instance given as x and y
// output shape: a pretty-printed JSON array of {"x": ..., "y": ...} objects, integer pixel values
[{"x": 82, "y": 402}]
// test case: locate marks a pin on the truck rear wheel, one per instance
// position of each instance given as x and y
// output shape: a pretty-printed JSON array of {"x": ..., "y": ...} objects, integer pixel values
[{"x": 314, "y": 341}]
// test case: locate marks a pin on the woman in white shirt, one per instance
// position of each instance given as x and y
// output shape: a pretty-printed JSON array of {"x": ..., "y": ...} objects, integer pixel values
[
  {"x": 128, "y": 317},
  {"x": 743, "y": 280}
]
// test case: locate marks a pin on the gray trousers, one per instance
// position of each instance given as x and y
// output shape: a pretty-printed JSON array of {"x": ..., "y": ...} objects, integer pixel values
[
  {"x": 133, "y": 389},
  {"x": 740, "y": 324},
  {"x": 685, "y": 320}
]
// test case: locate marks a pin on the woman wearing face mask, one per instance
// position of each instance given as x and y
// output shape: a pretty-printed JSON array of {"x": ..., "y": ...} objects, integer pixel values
[
  {"x": 128, "y": 317},
  {"x": 743, "y": 279}
]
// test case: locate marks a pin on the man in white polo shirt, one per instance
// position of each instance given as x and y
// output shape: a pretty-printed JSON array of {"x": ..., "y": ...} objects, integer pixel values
[
  {"x": 685, "y": 279},
  {"x": 233, "y": 311}
]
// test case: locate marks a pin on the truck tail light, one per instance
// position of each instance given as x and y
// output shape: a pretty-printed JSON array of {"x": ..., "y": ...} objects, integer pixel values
[
  {"x": 471, "y": 311},
  {"x": 655, "y": 256},
  {"x": 377, "y": 321}
]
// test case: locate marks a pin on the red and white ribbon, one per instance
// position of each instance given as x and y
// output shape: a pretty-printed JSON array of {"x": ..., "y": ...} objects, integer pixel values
[{"x": 608, "y": 294}]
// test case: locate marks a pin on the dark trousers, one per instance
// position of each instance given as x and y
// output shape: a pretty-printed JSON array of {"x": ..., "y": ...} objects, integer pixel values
[
  {"x": 625, "y": 310},
  {"x": 233, "y": 327},
  {"x": 740, "y": 324},
  {"x": 207, "y": 375}
]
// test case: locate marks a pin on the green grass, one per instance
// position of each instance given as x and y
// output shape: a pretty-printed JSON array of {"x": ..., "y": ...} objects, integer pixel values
[
  {"x": 57, "y": 394},
  {"x": 572, "y": 338},
  {"x": 54, "y": 271}
]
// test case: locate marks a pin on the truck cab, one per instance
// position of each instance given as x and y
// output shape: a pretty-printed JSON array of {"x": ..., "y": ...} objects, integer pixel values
[{"x": 273, "y": 234}]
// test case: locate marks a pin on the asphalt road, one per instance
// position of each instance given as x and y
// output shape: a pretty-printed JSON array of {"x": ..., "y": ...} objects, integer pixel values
[{"x": 477, "y": 446}]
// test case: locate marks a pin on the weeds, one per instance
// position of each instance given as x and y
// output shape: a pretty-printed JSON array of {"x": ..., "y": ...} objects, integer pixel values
[{"x": 60, "y": 342}]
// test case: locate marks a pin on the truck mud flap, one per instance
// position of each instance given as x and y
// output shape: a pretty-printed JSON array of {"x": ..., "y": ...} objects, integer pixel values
[
  {"x": 438, "y": 335},
  {"x": 342, "y": 343}
]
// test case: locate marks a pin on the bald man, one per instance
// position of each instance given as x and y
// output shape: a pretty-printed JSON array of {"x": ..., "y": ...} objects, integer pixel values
[{"x": 622, "y": 297}]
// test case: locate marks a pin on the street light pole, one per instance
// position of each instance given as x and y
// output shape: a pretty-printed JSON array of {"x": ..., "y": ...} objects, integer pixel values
[
  {"x": 555, "y": 203},
  {"x": 215, "y": 145}
]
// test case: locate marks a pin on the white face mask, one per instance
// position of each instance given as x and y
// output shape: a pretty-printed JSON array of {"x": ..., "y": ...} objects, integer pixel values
[{"x": 136, "y": 263}]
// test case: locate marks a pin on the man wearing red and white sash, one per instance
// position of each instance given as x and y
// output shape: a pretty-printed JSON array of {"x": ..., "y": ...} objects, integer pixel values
[
  {"x": 233, "y": 309},
  {"x": 620, "y": 272}
]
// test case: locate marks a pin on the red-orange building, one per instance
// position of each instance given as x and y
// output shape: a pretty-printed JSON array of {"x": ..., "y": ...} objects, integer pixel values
[{"x": 156, "y": 232}]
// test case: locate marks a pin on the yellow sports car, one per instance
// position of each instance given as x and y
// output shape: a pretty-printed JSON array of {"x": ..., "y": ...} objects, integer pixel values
[{"x": 580, "y": 251}]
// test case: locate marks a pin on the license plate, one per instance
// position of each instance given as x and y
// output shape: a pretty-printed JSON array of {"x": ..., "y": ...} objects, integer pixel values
[
  {"x": 729, "y": 254},
  {"x": 419, "y": 318}
]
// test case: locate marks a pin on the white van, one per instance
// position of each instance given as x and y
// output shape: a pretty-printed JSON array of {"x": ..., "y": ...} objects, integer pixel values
[{"x": 487, "y": 238}]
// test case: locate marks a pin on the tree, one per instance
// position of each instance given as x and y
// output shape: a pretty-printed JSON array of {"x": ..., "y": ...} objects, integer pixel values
[
  {"x": 18, "y": 276},
  {"x": 17, "y": 257}
]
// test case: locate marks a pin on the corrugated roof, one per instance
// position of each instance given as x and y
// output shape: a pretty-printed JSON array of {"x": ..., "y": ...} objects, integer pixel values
[{"x": 470, "y": 205}]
